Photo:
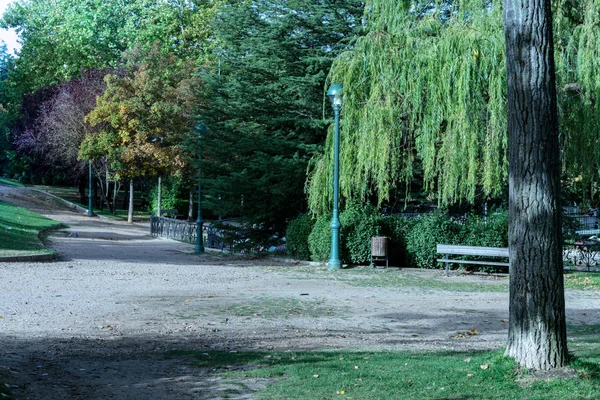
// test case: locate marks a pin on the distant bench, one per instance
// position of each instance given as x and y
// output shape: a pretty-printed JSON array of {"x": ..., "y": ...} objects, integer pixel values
[{"x": 457, "y": 250}]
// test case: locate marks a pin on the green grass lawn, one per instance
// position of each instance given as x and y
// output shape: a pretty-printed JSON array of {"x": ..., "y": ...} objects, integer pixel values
[
  {"x": 9, "y": 182},
  {"x": 19, "y": 230},
  {"x": 582, "y": 280},
  {"x": 402, "y": 375},
  {"x": 72, "y": 194}
]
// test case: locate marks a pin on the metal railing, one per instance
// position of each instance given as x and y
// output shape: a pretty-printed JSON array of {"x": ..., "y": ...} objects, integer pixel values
[{"x": 185, "y": 231}]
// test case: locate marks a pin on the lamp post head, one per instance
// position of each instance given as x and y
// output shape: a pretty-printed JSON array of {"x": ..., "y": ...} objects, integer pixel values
[{"x": 335, "y": 93}]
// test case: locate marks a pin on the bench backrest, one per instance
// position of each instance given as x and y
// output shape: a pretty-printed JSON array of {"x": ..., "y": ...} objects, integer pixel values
[{"x": 472, "y": 250}]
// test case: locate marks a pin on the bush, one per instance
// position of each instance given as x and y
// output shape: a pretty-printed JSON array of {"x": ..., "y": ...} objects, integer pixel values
[
  {"x": 439, "y": 228},
  {"x": 491, "y": 233},
  {"x": 173, "y": 196},
  {"x": 397, "y": 229},
  {"x": 412, "y": 241},
  {"x": 319, "y": 240},
  {"x": 426, "y": 233},
  {"x": 359, "y": 224},
  {"x": 296, "y": 237}
]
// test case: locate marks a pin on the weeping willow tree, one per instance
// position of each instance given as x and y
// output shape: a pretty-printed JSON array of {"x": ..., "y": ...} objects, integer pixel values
[
  {"x": 578, "y": 80},
  {"x": 425, "y": 96}
]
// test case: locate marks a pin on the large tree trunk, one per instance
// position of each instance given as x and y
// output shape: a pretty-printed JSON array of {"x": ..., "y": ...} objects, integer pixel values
[
  {"x": 116, "y": 188},
  {"x": 130, "y": 213},
  {"x": 537, "y": 330}
]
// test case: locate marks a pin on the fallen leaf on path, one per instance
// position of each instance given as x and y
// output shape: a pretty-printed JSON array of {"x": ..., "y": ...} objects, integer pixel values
[{"x": 465, "y": 334}]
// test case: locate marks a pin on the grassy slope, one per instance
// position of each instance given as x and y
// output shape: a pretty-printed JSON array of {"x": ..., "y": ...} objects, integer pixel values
[
  {"x": 19, "y": 230},
  {"x": 71, "y": 194},
  {"x": 9, "y": 182}
]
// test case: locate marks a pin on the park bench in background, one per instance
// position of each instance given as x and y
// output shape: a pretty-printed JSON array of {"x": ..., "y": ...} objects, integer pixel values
[{"x": 474, "y": 251}]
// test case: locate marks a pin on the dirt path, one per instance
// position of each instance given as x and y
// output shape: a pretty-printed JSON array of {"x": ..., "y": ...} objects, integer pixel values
[{"x": 96, "y": 324}]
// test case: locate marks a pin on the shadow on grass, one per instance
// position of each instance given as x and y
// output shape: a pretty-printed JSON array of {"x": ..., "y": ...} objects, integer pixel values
[
  {"x": 585, "y": 349},
  {"x": 389, "y": 375},
  {"x": 190, "y": 366}
]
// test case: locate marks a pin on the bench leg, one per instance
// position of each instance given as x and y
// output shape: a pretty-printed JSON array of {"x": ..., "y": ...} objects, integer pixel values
[{"x": 447, "y": 264}]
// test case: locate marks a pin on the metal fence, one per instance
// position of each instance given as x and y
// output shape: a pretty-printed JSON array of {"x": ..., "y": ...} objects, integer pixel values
[
  {"x": 185, "y": 231},
  {"x": 585, "y": 224}
]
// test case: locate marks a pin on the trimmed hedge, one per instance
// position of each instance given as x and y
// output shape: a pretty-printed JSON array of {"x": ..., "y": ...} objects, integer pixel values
[
  {"x": 412, "y": 241},
  {"x": 296, "y": 237},
  {"x": 359, "y": 225},
  {"x": 319, "y": 240}
]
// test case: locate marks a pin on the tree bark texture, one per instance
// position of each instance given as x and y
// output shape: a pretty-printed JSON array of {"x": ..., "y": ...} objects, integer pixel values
[
  {"x": 130, "y": 212},
  {"x": 537, "y": 330}
]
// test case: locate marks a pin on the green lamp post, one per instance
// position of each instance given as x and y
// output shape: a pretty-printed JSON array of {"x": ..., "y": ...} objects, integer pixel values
[
  {"x": 335, "y": 95},
  {"x": 90, "y": 211},
  {"x": 200, "y": 129}
]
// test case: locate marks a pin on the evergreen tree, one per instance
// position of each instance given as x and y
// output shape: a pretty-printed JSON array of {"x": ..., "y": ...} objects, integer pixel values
[{"x": 262, "y": 101}]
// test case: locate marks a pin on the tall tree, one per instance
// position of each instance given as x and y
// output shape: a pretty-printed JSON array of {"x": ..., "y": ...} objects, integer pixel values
[
  {"x": 425, "y": 100},
  {"x": 262, "y": 101},
  {"x": 6, "y": 61},
  {"x": 143, "y": 117},
  {"x": 537, "y": 331},
  {"x": 54, "y": 136}
]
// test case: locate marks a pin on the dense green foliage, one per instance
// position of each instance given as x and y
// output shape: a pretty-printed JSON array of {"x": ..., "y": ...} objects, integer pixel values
[
  {"x": 142, "y": 117},
  {"x": 412, "y": 242},
  {"x": 63, "y": 37},
  {"x": 438, "y": 228},
  {"x": 359, "y": 225},
  {"x": 425, "y": 98},
  {"x": 424, "y": 111},
  {"x": 173, "y": 195},
  {"x": 319, "y": 239},
  {"x": 262, "y": 103},
  {"x": 296, "y": 237}
]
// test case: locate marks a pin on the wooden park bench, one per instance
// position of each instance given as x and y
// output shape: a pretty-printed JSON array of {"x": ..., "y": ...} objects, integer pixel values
[{"x": 457, "y": 250}]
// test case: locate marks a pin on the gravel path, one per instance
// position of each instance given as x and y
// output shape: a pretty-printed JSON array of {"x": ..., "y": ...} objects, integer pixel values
[{"x": 96, "y": 324}]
